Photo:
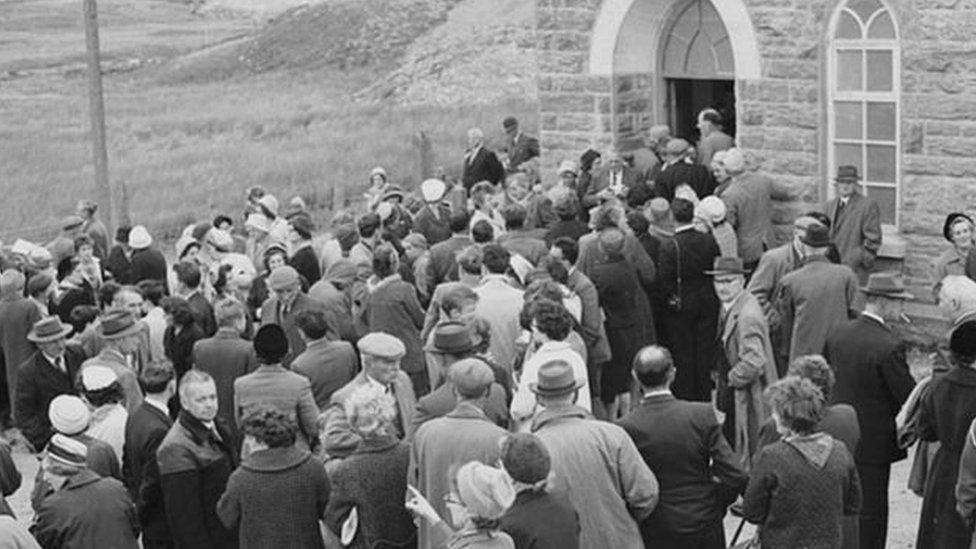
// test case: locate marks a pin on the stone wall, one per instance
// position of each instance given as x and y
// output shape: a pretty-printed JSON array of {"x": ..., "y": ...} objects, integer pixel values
[{"x": 781, "y": 116}]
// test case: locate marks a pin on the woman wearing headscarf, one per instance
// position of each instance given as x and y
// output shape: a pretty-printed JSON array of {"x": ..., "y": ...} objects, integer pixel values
[
  {"x": 958, "y": 230},
  {"x": 371, "y": 483},
  {"x": 947, "y": 409},
  {"x": 479, "y": 497},
  {"x": 819, "y": 471}
]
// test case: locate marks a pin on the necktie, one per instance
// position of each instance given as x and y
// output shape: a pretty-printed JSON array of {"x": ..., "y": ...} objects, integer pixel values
[{"x": 59, "y": 364}]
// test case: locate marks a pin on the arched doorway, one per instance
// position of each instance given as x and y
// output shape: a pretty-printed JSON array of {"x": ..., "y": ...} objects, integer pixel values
[
  {"x": 673, "y": 57},
  {"x": 697, "y": 66}
]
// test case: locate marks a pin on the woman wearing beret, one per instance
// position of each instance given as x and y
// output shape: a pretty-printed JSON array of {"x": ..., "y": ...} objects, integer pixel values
[{"x": 958, "y": 230}]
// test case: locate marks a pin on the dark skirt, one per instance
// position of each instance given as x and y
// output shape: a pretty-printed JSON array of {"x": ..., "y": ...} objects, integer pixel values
[
  {"x": 940, "y": 526},
  {"x": 615, "y": 375}
]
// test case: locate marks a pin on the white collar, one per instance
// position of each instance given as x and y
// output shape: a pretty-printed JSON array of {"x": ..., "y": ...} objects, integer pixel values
[
  {"x": 657, "y": 392},
  {"x": 160, "y": 406},
  {"x": 874, "y": 316}
]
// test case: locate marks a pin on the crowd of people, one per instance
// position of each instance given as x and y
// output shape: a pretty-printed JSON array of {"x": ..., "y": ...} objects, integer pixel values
[{"x": 616, "y": 358}]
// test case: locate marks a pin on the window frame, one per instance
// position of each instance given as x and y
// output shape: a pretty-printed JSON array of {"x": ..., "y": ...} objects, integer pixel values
[{"x": 864, "y": 44}]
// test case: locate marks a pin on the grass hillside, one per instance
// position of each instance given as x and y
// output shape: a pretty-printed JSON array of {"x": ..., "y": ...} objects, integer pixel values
[{"x": 196, "y": 119}]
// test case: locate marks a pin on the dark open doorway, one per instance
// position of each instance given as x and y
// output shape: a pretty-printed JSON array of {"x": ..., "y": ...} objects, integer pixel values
[{"x": 687, "y": 97}]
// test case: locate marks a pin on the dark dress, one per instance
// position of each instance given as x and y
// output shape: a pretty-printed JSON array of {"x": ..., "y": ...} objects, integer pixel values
[
  {"x": 119, "y": 265},
  {"x": 148, "y": 264},
  {"x": 692, "y": 331},
  {"x": 374, "y": 481},
  {"x": 618, "y": 288},
  {"x": 946, "y": 412}
]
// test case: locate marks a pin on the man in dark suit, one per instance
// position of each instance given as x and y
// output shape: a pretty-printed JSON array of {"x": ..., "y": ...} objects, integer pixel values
[
  {"x": 328, "y": 362},
  {"x": 49, "y": 372},
  {"x": 682, "y": 443},
  {"x": 188, "y": 279},
  {"x": 443, "y": 255},
  {"x": 691, "y": 327},
  {"x": 144, "y": 431},
  {"x": 855, "y": 223},
  {"x": 226, "y": 356},
  {"x": 680, "y": 170},
  {"x": 873, "y": 376},
  {"x": 521, "y": 147},
  {"x": 480, "y": 164},
  {"x": 619, "y": 181}
]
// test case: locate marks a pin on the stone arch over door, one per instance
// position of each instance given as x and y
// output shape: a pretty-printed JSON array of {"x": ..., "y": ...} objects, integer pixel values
[{"x": 635, "y": 41}]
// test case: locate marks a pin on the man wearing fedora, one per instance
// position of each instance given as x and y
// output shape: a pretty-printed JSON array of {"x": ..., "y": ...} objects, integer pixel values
[
  {"x": 122, "y": 337},
  {"x": 595, "y": 463},
  {"x": 49, "y": 372},
  {"x": 745, "y": 364},
  {"x": 434, "y": 218},
  {"x": 451, "y": 342},
  {"x": 816, "y": 296},
  {"x": 872, "y": 376},
  {"x": 463, "y": 435},
  {"x": 855, "y": 222},
  {"x": 380, "y": 354}
]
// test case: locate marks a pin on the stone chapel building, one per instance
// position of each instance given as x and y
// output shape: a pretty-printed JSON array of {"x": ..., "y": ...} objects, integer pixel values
[{"x": 886, "y": 85}]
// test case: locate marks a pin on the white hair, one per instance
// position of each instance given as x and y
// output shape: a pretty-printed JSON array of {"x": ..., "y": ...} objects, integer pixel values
[
  {"x": 370, "y": 411},
  {"x": 476, "y": 133}
]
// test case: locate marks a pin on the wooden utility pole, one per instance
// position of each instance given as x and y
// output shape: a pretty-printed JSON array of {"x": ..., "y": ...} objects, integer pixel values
[{"x": 103, "y": 187}]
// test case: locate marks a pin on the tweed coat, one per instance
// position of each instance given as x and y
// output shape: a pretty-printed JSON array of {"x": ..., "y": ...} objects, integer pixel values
[
  {"x": 812, "y": 299},
  {"x": 271, "y": 313},
  {"x": 287, "y": 391},
  {"x": 748, "y": 210},
  {"x": 749, "y": 367},
  {"x": 226, "y": 356}
]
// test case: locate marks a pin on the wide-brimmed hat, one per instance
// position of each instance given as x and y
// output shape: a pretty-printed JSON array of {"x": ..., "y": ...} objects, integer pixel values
[
  {"x": 816, "y": 236},
  {"x": 888, "y": 285},
  {"x": 139, "y": 238},
  {"x": 951, "y": 220},
  {"x": 555, "y": 378},
  {"x": 48, "y": 329},
  {"x": 727, "y": 265},
  {"x": 433, "y": 190},
  {"x": 453, "y": 338},
  {"x": 118, "y": 323},
  {"x": 847, "y": 174}
]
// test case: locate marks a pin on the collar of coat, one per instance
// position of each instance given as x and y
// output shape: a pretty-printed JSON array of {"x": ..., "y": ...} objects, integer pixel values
[
  {"x": 376, "y": 445},
  {"x": 200, "y": 432},
  {"x": 276, "y": 459},
  {"x": 84, "y": 477},
  {"x": 553, "y": 414},
  {"x": 468, "y": 410}
]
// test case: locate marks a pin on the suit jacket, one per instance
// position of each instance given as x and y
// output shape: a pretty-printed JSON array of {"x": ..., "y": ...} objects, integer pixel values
[
  {"x": 225, "y": 356},
  {"x": 483, "y": 166},
  {"x": 692, "y": 253},
  {"x": 748, "y": 210},
  {"x": 747, "y": 369},
  {"x": 637, "y": 190},
  {"x": 873, "y": 377},
  {"x": 435, "y": 228},
  {"x": 203, "y": 313},
  {"x": 271, "y": 314},
  {"x": 37, "y": 384},
  {"x": 856, "y": 231},
  {"x": 811, "y": 300},
  {"x": 329, "y": 366},
  {"x": 339, "y": 439},
  {"x": 443, "y": 259},
  {"x": 680, "y": 173},
  {"x": 522, "y": 148},
  {"x": 145, "y": 430},
  {"x": 683, "y": 444},
  {"x": 287, "y": 391},
  {"x": 148, "y": 264},
  {"x": 442, "y": 400}
]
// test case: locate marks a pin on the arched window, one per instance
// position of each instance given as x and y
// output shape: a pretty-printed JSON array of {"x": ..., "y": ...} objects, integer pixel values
[{"x": 863, "y": 99}]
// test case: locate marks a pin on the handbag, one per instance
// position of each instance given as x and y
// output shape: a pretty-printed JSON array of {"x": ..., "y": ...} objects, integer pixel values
[{"x": 674, "y": 300}]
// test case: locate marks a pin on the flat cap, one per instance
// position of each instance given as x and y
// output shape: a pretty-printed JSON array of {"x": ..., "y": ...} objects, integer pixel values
[
  {"x": 471, "y": 377},
  {"x": 283, "y": 277},
  {"x": 381, "y": 345}
]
